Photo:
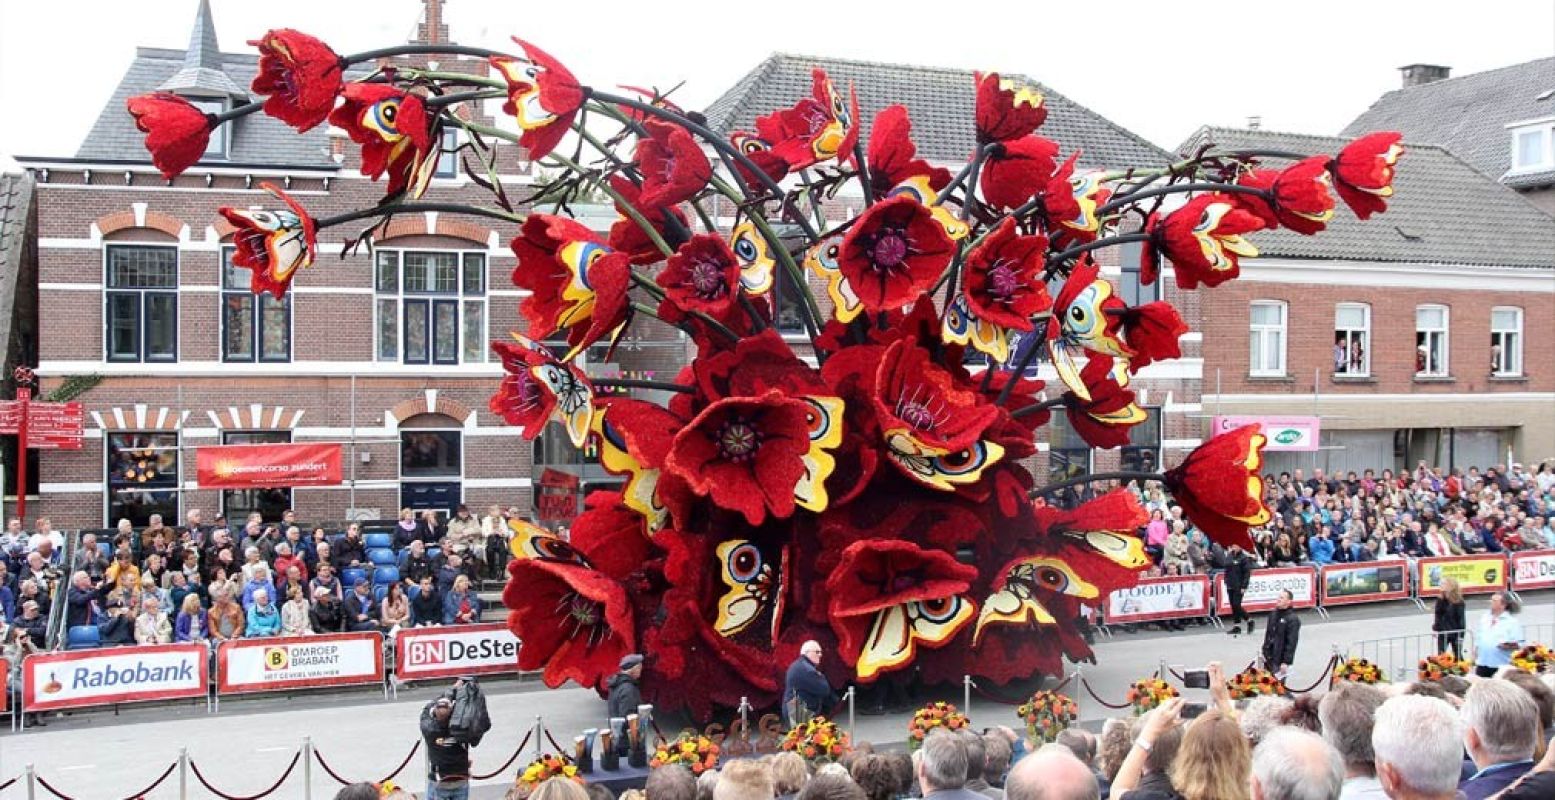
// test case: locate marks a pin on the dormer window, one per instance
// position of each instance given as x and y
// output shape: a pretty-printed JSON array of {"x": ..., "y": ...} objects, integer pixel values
[
  {"x": 1533, "y": 148},
  {"x": 217, "y": 148}
]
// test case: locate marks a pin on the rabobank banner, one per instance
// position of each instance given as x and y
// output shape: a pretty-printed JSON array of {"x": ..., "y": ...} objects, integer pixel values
[
  {"x": 81, "y": 678},
  {"x": 453, "y": 650}
]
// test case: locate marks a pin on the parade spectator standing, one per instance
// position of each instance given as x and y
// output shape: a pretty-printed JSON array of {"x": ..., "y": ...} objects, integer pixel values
[
  {"x": 1346, "y": 714},
  {"x": 807, "y": 693},
  {"x": 1501, "y": 729},
  {"x": 624, "y": 696},
  {"x": 1294, "y": 764},
  {"x": 1051, "y": 773},
  {"x": 1448, "y": 620},
  {"x": 942, "y": 768},
  {"x": 1499, "y": 633},
  {"x": 1239, "y": 572},
  {"x": 448, "y": 754},
  {"x": 1281, "y": 636}
]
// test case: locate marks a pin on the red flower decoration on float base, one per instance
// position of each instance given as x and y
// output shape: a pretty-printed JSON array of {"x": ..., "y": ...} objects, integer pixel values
[
  {"x": 702, "y": 276},
  {"x": 818, "y": 128},
  {"x": 1202, "y": 239},
  {"x": 177, "y": 133},
  {"x": 575, "y": 279},
  {"x": 1299, "y": 196},
  {"x": 673, "y": 166},
  {"x": 394, "y": 130},
  {"x": 1219, "y": 487},
  {"x": 892, "y": 155},
  {"x": 895, "y": 251},
  {"x": 745, "y": 453},
  {"x": 889, "y": 597},
  {"x": 1006, "y": 110},
  {"x": 1017, "y": 170},
  {"x": 273, "y": 244},
  {"x": 300, "y": 76},
  {"x": 1003, "y": 283},
  {"x": 542, "y": 95},
  {"x": 1363, "y": 172},
  {"x": 574, "y": 621}
]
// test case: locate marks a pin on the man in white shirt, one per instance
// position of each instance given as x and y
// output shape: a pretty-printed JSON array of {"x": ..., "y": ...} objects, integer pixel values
[{"x": 1499, "y": 633}]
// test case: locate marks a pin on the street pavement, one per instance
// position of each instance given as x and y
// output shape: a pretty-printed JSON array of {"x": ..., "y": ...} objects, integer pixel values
[{"x": 245, "y": 747}]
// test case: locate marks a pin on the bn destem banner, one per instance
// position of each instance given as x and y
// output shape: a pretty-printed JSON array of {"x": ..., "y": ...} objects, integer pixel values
[
  {"x": 1369, "y": 582},
  {"x": 82, "y": 678},
  {"x": 1182, "y": 597},
  {"x": 250, "y": 466},
  {"x": 1474, "y": 574},
  {"x": 298, "y": 662},
  {"x": 1263, "y": 589},
  {"x": 1533, "y": 570},
  {"x": 454, "y": 650}
]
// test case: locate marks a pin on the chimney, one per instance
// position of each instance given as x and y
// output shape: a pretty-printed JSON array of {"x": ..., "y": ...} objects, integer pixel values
[
  {"x": 1422, "y": 74},
  {"x": 431, "y": 29}
]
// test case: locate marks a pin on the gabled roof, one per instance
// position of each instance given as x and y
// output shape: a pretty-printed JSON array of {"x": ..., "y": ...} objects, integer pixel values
[
  {"x": 1469, "y": 114},
  {"x": 17, "y": 227},
  {"x": 1443, "y": 211},
  {"x": 202, "y": 72},
  {"x": 940, "y": 102}
]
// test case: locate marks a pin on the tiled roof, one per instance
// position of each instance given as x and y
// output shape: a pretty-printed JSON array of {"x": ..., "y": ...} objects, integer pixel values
[
  {"x": 1442, "y": 211},
  {"x": 202, "y": 72},
  {"x": 1469, "y": 114},
  {"x": 15, "y": 209},
  {"x": 940, "y": 102}
]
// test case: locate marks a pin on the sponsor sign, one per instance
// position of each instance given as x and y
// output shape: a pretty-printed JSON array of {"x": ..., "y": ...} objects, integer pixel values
[
  {"x": 81, "y": 678},
  {"x": 247, "y": 466},
  {"x": 298, "y": 662},
  {"x": 1263, "y": 589},
  {"x": 1284, "y": 433},
  {"x": 1160, "y": 598},
  {"x": 454, "y": 650},
  {"x": 1533, "y": 570},
  {"x": 1474, "y": 574},
  {"x": 558, "y": 496},
  {"x": 1370, "y": 582}
]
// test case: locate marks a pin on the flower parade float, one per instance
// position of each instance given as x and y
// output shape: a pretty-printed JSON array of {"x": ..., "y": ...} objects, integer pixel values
[{"x": 859, "y": 485}]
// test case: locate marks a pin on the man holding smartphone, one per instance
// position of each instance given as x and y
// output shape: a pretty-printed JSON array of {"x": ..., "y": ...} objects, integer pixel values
[{"x": 1280, "y": 636}]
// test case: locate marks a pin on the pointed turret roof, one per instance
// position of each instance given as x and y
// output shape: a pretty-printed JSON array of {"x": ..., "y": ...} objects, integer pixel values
[{"x": 202, "y": 73}]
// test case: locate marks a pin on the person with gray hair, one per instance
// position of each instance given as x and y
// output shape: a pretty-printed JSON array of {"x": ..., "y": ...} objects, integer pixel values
[
  {"x": 996, "y": 761},
  {"x": 1051, "y": 773},
  {"x": 941, "y": 763},
  {"x": 1346, "y": 715},
  {"x": 976, "y": 761},
  {"x": 1294, "y": 764},
  {"x": 672, "y": 782},
  {"x": 1417, "y": 746},
  {"x": 1501, "y": 732}
]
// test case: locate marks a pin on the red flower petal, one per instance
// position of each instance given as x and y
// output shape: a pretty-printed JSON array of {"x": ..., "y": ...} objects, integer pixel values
[
  {"x": 1363, "y": 172},
  {"x": 895, "y": 251},
  {"x": 1006, "y": 110},
  {"x": 300, "y": 75},
  {"x": 1219, "y": 486},
  {"x": 176, "y": 132},
  {"x": 891, "y": 154},
  {"x": 745, "y": 453},
  {"x": 393, "y": 128},
  {"x": 575, "y": 622},
  {"x": 1203, "y": 240},
  {"x": 273, "y": 244},
  {"x": 1018, "y": 170},
  {"x": 1003, "y": 277},
  {"x": 672, "y": 163}
]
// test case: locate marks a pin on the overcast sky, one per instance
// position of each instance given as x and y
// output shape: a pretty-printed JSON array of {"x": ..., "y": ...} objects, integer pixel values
[{"x": 1159, "y": 67}]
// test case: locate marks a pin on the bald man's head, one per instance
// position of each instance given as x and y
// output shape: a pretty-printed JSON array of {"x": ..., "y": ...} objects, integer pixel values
[{"x": 1051, "y": 773}]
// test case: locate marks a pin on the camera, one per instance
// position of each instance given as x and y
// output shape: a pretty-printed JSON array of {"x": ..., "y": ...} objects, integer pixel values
[
  {"x": 1195, "y": 679},
  {"x": 1192, "y": 710}
]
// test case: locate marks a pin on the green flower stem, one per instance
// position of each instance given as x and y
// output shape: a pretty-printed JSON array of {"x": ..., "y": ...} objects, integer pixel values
[
  {"x": 632, "y": 125},
  {"x": 418, "y": 50},
  {"x": 634, "y": 383},
  {"x": 410, "y": 208},
  {"x": 1036, "y": 407},
  {"x": 717, "y": 326},
  {"x": 236, "y": 113},
  {"x": 1179, "y": 188},
  {"x": 438, "y": 101},
  {"x": 670, "y": 220}
]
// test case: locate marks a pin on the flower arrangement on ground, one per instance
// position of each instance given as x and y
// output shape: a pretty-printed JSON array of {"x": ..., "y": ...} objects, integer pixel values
[
  {"x": 819, "y": 739},
  {"x": 1534, "y": 658},
  {"x": 1254, "y": 682},
  {"x": 939, "y": 714},
  {"x": 1357, "y": 670},
  {"x": 1147, "y": 693},
  {"x": 546, "y": 767},
  {"x": 1434, "y": 668},
  {"x": 792, "y": 490},
  {"x": 1047, "y": 713},
  {"x": 695, "y": 752}
]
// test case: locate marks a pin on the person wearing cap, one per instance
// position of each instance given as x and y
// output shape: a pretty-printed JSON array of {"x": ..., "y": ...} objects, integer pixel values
[
  {"x": 327, "y": 615},
  {"x": 119, "y": 628},
  {"x": 361, "y": 607},
  {"x": 33, "y": 622},
  {"x": 624, "y": 696},
  {"x": 448, "y": 754}
]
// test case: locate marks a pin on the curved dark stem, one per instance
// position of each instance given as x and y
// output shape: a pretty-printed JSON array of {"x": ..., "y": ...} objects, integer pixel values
[
  {"x": 1109, "y": 241},
  {"x": 381, "y": 211},
  {"x": 1036, "y": 407},
  {"x": 944, "y": 194},
  {"x": 1240, "y": 154},
  {"x": 863, "y": 174},
  {"x": 1159, "y": 191},
  {"x": 1126, "y": 475},
  {"x": 459, "y": 97},
  {"x": 236, "y": 113},
  {"x": 1020, "y": 369},
  {"x": 419, "y": 50},
  {"x": 633, "y": 383},
  {"x": 750, "y": 311}
]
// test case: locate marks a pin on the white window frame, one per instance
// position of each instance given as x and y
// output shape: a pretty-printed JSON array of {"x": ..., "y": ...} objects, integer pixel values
[
  {"x": 176, "y": 291},
  {"x": 221, "y": 138},
  {"x": 399, "y": 461},
  {"x": 1546, "y": 133},
  {"x": 462, "y": 299},
  {"x": 1364, "y": 332},
  {"x": 1258, "y": 331},
  {"x": 1508, "y": 363},
  {"x": 1442, "y": 369}
]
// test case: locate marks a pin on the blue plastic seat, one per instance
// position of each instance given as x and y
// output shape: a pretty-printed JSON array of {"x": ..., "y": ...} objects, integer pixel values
[
  {"x": 413, "y": 591},
  {"x": 382, "y": 557},
  {"x": 350, "y": 575},
  {"x": 386, "y": 575},
  {"x": 106, "y": 548},
  {"x": 379, "y": 591},
  {"x": 82, "y": 637},
  {"x": 379, "y": 540},
  {"x": 434, "y": 553}
]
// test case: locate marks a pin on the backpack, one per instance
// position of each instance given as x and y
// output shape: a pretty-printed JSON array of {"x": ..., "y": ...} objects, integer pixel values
[{"x": 469, "y": 720}]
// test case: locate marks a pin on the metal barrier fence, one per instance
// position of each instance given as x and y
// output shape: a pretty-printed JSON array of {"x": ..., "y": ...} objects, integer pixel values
[{"x": 1399, "y": 656}]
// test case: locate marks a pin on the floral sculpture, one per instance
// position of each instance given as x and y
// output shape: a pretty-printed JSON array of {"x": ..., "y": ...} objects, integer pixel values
[
  {"x": 1357, "y": 670},
  {"x": 546, "y": 767},
  {"x": 819, "y": 739},
  {"x": 697, "y": 753},
  {"x": 1534, "y": 658},
  {"x": 825, "y": 489},
  {"x": 1434, "y": 668},
  {"x": 1147, "y": 693},
  {"x": 1254, "y": 682},
  {"x": 938, "y": 714},
  {"x": 1046, "y": 714}
]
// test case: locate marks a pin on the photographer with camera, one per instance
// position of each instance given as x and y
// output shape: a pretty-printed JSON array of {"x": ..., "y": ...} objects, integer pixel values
[{"x": 451, "y": 724}]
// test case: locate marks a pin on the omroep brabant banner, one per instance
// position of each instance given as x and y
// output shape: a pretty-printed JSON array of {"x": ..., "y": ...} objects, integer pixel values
[
  {"x": 290, "y": 662},
  {"x": 1263, "y": 589},
  {"x": 80, "y": 678},
  {"x": 454, "y": 650},
  {"x": 1475, "y": 574},
  {"x": 1160, "y": 598}
]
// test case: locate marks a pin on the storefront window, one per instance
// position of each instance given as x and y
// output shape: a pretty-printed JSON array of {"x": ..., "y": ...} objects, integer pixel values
[{"x": 142, "y": 477}]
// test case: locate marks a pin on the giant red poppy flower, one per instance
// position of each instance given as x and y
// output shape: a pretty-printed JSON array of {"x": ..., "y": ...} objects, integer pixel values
[
  {"x": 1003, "y": 277},
  {"x": 1071, "y": 201},
  {"x": 299, "y": 75},
  {"x": 1017, "y": 170},
  {"x": 1152, "y": 331},
  {"x": 394, "y": 130},
  {"x": 702, "y": 276},
  {"x": 1087, "y": 316},
  {"x": 932, "y": 422},
  {"x": 542, "y": 95},
  {"x": 575, "y": 622},
  {"x": 1202, "y": 239},
  {"x": 673, "y": 166},
  {"x": 1219, "y": 486},
  {"x": 1006, "y": 110},
  {"x": 895, "y": 251},
  {"x": 892, "y": 155},
  {"x": 761, "y": 155},
  {"x": 1363, "y": 172},
  {"x": 629, "y": 237},
  {"x": 1299, "y": 196},
  {"x": 1104, "y": 418},
  {"x": 177, "y": 133},
  {"x": 574, "y": 278},
  {"x": 273, "y": 244},
  {"x": 889, "y": 597},
  {"x": 818, "y": 128},
  {"x": 609, "y": 535},
  {"x": 1099, "y": 537},
  {"x": 745, "y": 453},
  {"x": 537, "y": 388}
]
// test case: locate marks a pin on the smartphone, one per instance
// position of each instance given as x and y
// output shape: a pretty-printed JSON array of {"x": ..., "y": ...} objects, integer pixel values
[
  {"x": 1195, "y": 679},
  {"x": 1191, "y": 710}
]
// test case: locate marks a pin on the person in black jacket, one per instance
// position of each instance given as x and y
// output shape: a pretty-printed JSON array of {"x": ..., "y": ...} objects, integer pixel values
[
  {"x": 448, "y": 754},
  {"x": 624, "y": 697},
  {"x": 426, "y": 608},
  {"x": 362, "y": 608},
  {"x": 1281, "y": 636},
  {"x": 805, "y": 684},
  {"x": 327, "y": 615},
  {"x": 349, "y": 550},
  {"x": 1239, "y": 572},
  {"x": 1449, "y": 622}
]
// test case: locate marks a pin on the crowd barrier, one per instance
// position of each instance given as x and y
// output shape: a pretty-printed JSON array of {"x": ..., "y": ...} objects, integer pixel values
[{"x": 1264, "y": 587}]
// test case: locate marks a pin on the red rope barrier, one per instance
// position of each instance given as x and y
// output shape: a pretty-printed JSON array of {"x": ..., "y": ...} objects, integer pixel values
[
  {"x": 154, "y": 784},
  {"x": 401, "y": 768},
  {"x": 1328, "y": 673},
  {"x": 1092, "y": 692},
  {"x": 559, "y": 750},
  {"x": 328, "y": 770},
  {"x": 195, "y": 768},
  {"x": 1006, "y": 700},
  {"x": 7, "y": 784},
  {"x": 51, "y": 789},
  {"x": 509, "y": 762}
]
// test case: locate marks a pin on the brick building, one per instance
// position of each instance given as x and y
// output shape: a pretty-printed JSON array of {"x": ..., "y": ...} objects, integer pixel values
[{"x": 1442, "y": 309}]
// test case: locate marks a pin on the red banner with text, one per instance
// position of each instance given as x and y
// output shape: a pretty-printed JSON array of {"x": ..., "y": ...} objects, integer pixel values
[
  {"x": 1533, "y": 570},
  {"x": 251, "y": 466}
]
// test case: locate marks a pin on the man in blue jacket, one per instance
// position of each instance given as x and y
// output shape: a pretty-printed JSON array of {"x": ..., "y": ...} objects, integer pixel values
[
  {"x": 806, "y": 692},
  {"x": 1321, "y": 548}
]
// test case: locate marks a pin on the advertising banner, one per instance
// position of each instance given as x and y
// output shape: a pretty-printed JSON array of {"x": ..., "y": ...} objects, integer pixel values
[
  {"x": 1263, "y": 589},
  {"x": 81, "y": 678},
  {"x": 1298, "y": 434},
  {"x": 249, "y": 466},
  {"x": 1475, "y": 574},
  {"x": 273, "y": 664},
  {"x": 454, "y": 650},
  {"x": 1370, "y": 582},
  {"x": 1533, "y": 570},
  {"x": 1160, "y": 598}
]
